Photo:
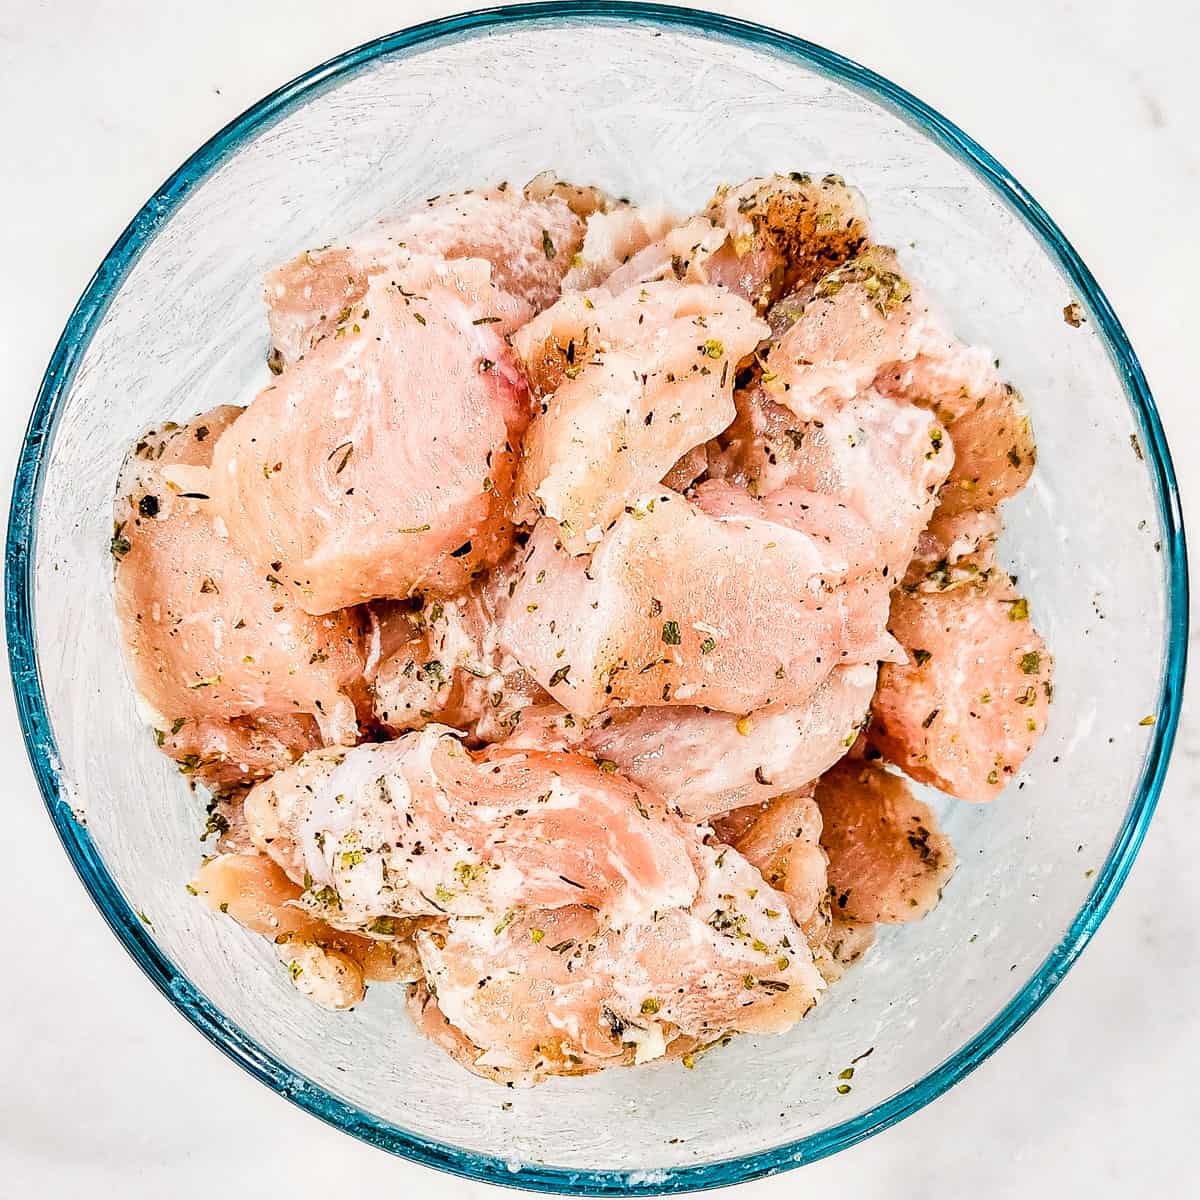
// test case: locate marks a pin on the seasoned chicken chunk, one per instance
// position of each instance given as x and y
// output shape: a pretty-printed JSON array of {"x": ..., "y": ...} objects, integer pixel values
[
  {"x": 888, "y": 860},
  {"x": 706, "y": 762},
  {"x": 837, "y": 335},
  {"x": 633, "y": 399},
  {"x": 973, "y": 698},
  {"x": 782, "y": 838},
  {"x": 757, "y": 239},
  {"x": 452, "y": 669},
  {"x": 529, "y": 244},
  {"x": 423, "y": 827},
  {"x": 728, "y": 602},
  {"x": 845, "y": 943},
  {"x": 226, "y": 753},
  {"x": 258, "y": 895},
  {"x": 583, "y": 199},
  {"x": 785, "y": 231},
  {"x": 883, "y": 458},
  {"x": 954, "y": 549},
  {"x": 553, "y": 992},
  {"x": 383, "y": 463},
  {"x": 613, "y": 238},
  {"x": 684, "y": 254},
  {"x": 994, "y": 450},
  {"x": 236, "y": 679}
]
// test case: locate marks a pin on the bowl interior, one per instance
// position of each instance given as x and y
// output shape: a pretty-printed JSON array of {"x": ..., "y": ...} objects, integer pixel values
[{"x": 649, "y": 110}]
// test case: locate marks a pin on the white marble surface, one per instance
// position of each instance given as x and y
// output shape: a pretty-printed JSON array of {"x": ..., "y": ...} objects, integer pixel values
[{"x": 1094, "y": 106}]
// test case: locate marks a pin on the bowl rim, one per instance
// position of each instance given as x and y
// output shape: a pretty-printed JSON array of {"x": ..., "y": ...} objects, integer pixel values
[{"x": 137, "y": 937}]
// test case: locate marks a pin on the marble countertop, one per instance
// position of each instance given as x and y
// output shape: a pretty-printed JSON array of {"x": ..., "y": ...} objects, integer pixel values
[{"x": 1094, "y": 107}]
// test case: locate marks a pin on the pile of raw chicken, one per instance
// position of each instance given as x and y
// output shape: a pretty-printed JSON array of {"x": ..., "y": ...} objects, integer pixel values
[{"x": 543, "y": 629}]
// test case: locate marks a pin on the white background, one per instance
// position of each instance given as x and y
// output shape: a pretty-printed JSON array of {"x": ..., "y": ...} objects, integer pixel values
[{"x": 105, "y": 1090}]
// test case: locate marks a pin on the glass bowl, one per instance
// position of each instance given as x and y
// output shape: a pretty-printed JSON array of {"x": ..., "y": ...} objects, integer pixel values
[{"x": 650, "y": 102}]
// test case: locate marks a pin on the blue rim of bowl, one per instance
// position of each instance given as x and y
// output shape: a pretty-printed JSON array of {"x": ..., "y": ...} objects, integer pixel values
[{"x": 137, "y": 939}]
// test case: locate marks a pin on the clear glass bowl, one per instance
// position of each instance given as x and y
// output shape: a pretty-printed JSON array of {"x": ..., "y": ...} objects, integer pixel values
[{"x": 650, "y": 102}]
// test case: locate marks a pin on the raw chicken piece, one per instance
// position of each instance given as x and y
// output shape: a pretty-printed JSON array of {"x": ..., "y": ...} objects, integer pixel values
[
  {"x": 422, "y": 827},
  {"x": 432, "y": 1023},
  {"x": 524, "y": 1000},
  {"x": 759, "y": 449},
  {"x": 888, "y": 860},
  {"x": 857, "y": 319},
  {"x": 555, "y": 993},
  {"x": 728, "y": 602},
  {"x": 636, "y": 398},
  {"x": 452, "y": 670},
  {"x": 884, "y": 458},
  {"x": 529, "y": 244},
  {"x": 782, "y": 838},
  {"x": 225, "y": 754},
  {"x": 706, "y": 762},
  {"x": 971, "y": 702},
  {"x": 546, "y": 725},
  {"x": 955, "y": 549},
  {"x": 993, "y": 438},
  {"x": 229, "y": 670},
  {"x": 329, "y": 978},
  {"x": 310, "y": 296},
  {"x": 383, "y": 463},
  {"x": 846, "y": 942},
  {"x": 683, "y": 254},
  {"x": 391, "y": 625},
  {"x": 754, "y": 240},
  {"x": 728, "y": 826},
  {"x": 558, "y": 344},
  {"x": 584, "y": 200},
  {"x": 864, "y": 323},
  {"x": 613, "y": 238},
  {"x": 255, "y": 892},
  {"x": 785, "y": 231}
]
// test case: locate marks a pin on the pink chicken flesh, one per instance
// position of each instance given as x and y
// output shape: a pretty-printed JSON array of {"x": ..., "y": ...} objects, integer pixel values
[
  {"x": 985, "y": 417},
  {"x": 673, "y": 605},
  {"x": 237, "y": 679},
  {"x": 613, "y": 238},
  {"x": 648, "y": 375},
  {"x": 421, "y": 826},
  {"x": 528, "y": 242},
  {"x": 865, "y": 324},
  {"x": 888, "y": 860},
  {"x": 784, "y": 232},
  {"x": 452, "y": 670},
  {"x": 972, "y": 701},
  {"x": 837, "y": 335},
  {"x": 554, "y": 992},
  {"x": 706, "y": 762},
  {"x": 883, "y": 458},
  {"x": 383, "y": 462},
  {"x": 782, "y": 838}
]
